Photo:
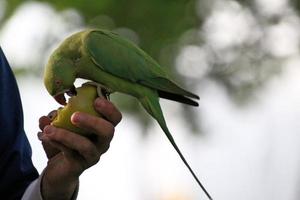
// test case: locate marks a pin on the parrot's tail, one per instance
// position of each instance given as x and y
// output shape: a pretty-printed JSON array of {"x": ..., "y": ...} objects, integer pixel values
[
  {"x": 177, "y": 97},
  {"x": 151, "y": 104}
]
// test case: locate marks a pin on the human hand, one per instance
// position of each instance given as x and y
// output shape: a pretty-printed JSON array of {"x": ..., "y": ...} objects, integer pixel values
[{"x": 70, "y": 154}]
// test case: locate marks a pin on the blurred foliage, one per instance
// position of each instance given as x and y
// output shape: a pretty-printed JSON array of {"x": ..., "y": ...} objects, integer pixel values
[
  {"x": 158, "y": 23},
  {"x": 296, "y": 3}
]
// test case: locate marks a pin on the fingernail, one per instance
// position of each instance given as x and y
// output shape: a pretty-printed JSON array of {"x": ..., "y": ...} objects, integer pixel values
[
  {"x": 76, "y": 117},
  {"x": 48, "y": 129},
  {"x": 44, "y": 121},
  {"x": 99, "y": 101}
]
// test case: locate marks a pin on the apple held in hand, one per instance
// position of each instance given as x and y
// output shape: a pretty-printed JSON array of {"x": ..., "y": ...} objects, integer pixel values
[{"x": 83, "y": 101}]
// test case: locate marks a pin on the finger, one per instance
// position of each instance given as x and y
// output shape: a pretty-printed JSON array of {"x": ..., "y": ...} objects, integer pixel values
[
  {"x": 44, "y": 121},
  {"x": 108, "y": 110},
  {"x": 70, "y": 154},
  {"x": 74, "y": 142},
  {"x": 50, "y": 150},
  {"x": 101, "y": 143},
  {"x": 96, "y": 125},
  {"x": 52, "y": 114},
  {"x": 103, "y": 131}
]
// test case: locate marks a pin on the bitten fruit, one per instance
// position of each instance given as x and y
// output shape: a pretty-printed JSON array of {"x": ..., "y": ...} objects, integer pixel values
[{"x": 83, "y": 101}]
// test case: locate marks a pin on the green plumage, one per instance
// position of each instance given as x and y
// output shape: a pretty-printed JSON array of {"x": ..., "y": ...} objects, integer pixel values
[{"x": 118, "y": 64}]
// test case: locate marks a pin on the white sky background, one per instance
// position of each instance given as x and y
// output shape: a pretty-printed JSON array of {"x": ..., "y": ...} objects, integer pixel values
[{"x": 248, "y": 153}]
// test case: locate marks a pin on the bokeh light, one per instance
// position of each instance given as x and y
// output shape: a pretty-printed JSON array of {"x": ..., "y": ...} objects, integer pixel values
[{"x": 241, "y": 57}]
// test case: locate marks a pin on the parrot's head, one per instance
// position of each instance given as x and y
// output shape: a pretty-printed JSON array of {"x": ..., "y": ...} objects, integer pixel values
[{"x": 59, "y": 78}]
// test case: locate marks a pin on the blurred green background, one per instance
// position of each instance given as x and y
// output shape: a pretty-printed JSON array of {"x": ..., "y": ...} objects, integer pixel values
[{"x": 242, "y": 58}]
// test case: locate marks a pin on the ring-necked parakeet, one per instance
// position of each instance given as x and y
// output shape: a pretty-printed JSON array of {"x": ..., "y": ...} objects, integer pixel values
[{"x": 120, "y": 66}]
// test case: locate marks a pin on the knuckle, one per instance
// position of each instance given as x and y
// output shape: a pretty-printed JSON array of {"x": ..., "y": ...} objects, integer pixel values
[
  {"x": 96, "y": 159},
  {"x": 110, "y": 131},
  {"x": 105, "y": 148},
  {"x": 85, "y": 148},
  {"x": 90, "y": 154},
  {"x": 92, "y": 121},
  {"x": 59, "y": 134},
  {"x": 119, "y": 117}
]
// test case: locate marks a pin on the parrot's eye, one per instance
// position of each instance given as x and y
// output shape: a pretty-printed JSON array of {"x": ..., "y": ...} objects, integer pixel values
[
  {"x": 76, "y": 59},
  {"x": 58, "y": 82}
]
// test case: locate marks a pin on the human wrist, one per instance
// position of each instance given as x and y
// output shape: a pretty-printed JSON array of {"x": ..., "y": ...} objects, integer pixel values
[{"x": 58, "y": 190}]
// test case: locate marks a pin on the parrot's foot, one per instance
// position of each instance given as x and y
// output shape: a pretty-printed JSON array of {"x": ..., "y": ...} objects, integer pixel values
[{"x": 101, "y": 89}]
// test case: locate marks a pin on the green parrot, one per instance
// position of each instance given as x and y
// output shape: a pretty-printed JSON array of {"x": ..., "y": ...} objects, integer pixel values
[{"x": 118, "y": 65}]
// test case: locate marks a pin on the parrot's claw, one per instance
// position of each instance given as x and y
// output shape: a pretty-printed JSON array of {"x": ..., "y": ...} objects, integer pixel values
[
  {"x": 101, "y": 89},
  {"x": 104, "y": 92}
]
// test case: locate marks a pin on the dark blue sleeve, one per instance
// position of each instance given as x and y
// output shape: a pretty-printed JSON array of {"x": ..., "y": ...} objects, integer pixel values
[{"x": 16, "y": 168}]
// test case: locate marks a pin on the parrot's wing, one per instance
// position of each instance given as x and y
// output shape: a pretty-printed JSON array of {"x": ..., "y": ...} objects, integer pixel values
[{"x": 122, "y": 58}]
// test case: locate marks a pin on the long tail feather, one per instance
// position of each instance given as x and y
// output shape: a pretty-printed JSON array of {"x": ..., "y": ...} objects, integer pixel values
[
  {"x": 178, "y": 98},
  {"x": 151, "y": 104}
]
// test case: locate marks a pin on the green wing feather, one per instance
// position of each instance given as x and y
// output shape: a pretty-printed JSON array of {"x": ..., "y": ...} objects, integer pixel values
[{"x": 122, "y": 58}]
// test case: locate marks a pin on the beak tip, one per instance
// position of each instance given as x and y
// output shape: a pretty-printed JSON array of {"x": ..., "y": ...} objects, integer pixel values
[{"x": 60, "y": 98}]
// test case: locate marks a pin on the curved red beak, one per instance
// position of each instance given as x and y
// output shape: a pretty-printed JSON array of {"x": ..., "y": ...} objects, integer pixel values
[{"x": 60, "y": 98}]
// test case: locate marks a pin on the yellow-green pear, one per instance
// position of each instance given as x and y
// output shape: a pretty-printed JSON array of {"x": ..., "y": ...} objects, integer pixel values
[{"x": 83, "y": 101}]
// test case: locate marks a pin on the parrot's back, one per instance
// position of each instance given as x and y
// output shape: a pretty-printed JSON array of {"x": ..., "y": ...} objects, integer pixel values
[{"x": 121, "y": 58}]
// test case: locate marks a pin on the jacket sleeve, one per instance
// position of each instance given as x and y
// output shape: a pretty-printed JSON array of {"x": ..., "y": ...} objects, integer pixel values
[
  {"x": 33, "y": 192},
  {"x": 16, "y": 168}
]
